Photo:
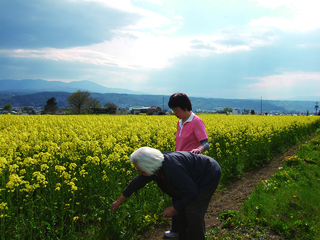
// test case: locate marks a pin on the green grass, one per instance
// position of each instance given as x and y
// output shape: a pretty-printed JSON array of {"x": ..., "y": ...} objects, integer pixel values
[{"x": 287, "y": 205}]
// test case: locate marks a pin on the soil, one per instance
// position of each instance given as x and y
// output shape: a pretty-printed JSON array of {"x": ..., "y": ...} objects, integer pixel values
[{"x": 231, "y": 197}]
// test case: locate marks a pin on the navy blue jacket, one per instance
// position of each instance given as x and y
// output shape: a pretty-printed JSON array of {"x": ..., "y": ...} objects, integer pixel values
[{"x": 186, "y": 173}]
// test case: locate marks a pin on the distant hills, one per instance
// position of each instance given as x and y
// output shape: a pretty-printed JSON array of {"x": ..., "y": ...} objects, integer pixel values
[
  {"x": 40, "y": 85},
  {"x": 35, "y": 93}
]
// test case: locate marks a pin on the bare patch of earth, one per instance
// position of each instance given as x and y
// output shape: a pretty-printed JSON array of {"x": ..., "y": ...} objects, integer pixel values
[{"x": 232, "y": 197}]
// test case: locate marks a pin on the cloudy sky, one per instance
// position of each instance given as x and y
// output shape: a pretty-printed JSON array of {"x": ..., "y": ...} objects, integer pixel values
[{"x": 207, "y": 48}]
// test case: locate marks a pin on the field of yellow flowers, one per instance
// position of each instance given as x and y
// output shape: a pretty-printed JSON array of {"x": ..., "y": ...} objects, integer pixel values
[{"x": 59, "y": 174}]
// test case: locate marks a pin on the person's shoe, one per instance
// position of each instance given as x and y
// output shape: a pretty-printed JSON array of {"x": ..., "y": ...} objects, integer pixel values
[{"x": 170, "y": 234}]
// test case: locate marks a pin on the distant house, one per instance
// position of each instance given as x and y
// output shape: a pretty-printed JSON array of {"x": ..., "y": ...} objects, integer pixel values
[
  {"x": 148, "y": 110},
  {"x": 236, "y": 111},
  {"x": 14, "y": 112},
  {"x": 137, "y": 110},
  {"x": 154, "y": 110}
]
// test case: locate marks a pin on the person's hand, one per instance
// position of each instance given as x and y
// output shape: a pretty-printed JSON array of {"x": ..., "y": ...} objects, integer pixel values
[
  {"x": 116, "y": 203},
  {"x": 196, "y": 151},
  {"x": 169, "y": 212}
]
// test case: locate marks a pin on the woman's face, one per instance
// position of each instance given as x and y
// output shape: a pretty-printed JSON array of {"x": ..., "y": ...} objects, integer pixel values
[{"x": 180, "y": 113}]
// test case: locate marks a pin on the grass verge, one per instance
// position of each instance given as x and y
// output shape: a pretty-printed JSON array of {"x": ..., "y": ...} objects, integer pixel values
[{"x": 283, "y": 207}]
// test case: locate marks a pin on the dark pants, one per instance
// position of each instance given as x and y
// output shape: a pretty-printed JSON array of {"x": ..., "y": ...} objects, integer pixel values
[{"x": 191, "y": 220}]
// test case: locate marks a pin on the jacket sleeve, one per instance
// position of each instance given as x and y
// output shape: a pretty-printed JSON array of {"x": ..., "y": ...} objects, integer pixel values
[{"x": 137, "y": 183}]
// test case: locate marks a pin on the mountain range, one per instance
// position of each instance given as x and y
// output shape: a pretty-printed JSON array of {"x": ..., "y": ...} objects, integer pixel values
[
  {"x": 35, "y": 93},
  {"x": 40, "y": 85}
]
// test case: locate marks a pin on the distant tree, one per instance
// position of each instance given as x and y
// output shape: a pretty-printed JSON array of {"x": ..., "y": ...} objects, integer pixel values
[
  {"x": 111, "y": 107},
  {"x": 252, "y": 112},
  {"x": 222, "y": 112},
  {"x": 78, "y": 100},
  {"x": 95, "y": 104},
  {"x": 32, "y": 112},
  {"x": 29, "y": 110},
  {"x": 7, "y": 107},
  {"x": 26, "y": 109},
  {"x": 51, "y": 106},
  {"x": 245, "y": 111},
  {"x": 228, "y": 109}
]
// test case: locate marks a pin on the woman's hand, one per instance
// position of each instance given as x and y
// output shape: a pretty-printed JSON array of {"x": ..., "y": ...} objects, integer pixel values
[
  {"x": 116, "y": 203},
  {"x": 198, "y": 150},
  {"x": 169, "y": 212}
]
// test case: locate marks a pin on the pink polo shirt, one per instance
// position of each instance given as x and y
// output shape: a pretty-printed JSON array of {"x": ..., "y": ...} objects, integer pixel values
[{"x": 190, "y": 133}]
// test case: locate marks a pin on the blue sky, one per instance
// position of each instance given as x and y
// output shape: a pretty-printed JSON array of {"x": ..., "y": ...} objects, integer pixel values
[{"x": 205, "y": 48}]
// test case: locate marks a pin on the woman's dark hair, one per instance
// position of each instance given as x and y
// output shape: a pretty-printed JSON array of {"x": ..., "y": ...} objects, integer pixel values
[{"x": 180, "y": 100}]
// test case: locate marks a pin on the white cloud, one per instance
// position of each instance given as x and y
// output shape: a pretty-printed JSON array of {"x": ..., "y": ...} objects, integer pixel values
[
  {"x": 288, "y": 80},
  {"x": 168, "y": 31},
  {"x": 144, "y": 50},
  {"x": 298, "y": 22},
  {"x": 133, "y": 81},
  {"x": 287, "y": 85},
  {"x": 298, "y": 5},
  {"x": 71, "y": 55},
  {"x": 123, "y": 5},
  {"x": 150, "y": 19},
  {"x": 147, "y": 44},
  {"x": 139, "y": 50},
  {"x": 305, "y": 15},
  {"x": 157, "y": 2}
]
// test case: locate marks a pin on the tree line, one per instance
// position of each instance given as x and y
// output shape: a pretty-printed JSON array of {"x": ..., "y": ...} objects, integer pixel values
[{"x": 81, "y": 102}]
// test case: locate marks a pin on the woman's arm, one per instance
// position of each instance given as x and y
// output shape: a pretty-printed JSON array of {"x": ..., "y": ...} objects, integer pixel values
[{"x": 203, "y": 147}]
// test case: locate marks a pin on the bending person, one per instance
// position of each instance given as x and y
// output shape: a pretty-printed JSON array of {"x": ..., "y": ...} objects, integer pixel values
[{"x": 190, "y": 178}]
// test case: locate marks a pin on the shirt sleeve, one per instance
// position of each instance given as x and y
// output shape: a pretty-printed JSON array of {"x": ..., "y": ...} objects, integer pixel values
[
  {"x": 137, "y": 183},
  {"x": 200, "y": 129}
]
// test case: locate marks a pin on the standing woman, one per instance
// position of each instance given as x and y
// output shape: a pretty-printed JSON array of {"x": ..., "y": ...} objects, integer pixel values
[{"x": 191, "y": 136}]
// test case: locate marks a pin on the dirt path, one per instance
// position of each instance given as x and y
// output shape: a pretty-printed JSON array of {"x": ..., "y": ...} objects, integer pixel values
[{"x": 233, "y": 196}]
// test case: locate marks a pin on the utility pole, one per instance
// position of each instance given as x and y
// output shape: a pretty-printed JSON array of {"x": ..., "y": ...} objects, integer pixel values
[{"x": 163, "y": 104}]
